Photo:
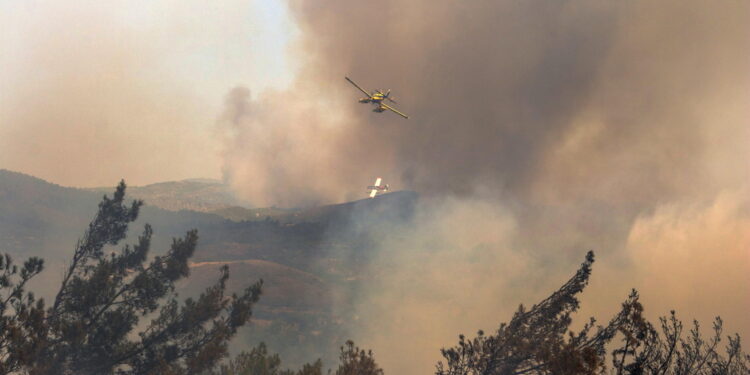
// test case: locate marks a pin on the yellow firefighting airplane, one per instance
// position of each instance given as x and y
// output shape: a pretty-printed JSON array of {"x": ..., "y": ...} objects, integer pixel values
[{"x": 377, "y": 97}]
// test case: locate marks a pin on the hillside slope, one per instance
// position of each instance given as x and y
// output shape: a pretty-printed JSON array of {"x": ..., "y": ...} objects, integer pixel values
[
  {"x": 43, "y": 219},
  {"x": 310, "y": 259}
]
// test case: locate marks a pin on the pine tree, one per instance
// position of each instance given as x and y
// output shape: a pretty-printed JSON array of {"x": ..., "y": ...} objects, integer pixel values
[
  {"x": 22, "y": 316},
  {"x": 356, "y": 361},
  {"x": 646, "y": 350},
  {"x": 116, "y": 312},
  {"x": 538, "y": 340},
  {"x": 259, "y": 362}
]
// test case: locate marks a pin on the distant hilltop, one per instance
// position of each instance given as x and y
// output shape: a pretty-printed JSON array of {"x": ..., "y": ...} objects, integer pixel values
[
  {"x": 197, "y": 194},
  {"x": 39, "y": 202},
  {"x": 215, "y": 197}
]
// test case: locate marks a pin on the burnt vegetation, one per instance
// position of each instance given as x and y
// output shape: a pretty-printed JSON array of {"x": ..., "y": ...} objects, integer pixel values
[{"x": 116, "y": 312}]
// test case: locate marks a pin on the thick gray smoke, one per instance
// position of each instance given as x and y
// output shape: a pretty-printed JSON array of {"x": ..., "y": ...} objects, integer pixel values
[
  {"x": 551, "y": 103},
  {"x": 554, "y": 127}
]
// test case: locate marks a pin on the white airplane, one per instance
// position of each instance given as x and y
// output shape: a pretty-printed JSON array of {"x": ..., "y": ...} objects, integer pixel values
[{"x": 375, "y": 189}]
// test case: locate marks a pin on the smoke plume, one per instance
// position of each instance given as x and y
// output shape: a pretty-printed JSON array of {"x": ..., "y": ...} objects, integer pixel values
[{"x": 538, "y": 130}]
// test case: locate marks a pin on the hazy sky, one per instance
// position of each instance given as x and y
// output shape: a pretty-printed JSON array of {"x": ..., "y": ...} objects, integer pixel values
[{"x": 97, "y": 91}]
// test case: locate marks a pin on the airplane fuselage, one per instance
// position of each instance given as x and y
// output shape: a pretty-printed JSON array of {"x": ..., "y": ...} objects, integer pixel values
[{"x": 375, "y": 98}]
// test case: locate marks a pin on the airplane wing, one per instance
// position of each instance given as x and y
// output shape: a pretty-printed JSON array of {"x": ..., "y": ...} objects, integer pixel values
[
  {"x": 357, "y": 86},
  {"x": 394, "y": 110},
  {"x": 375, "y": 187}
]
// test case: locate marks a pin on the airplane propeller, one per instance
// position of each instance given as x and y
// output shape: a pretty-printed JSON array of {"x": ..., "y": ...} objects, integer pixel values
[{"x": 386, "y": 95}]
